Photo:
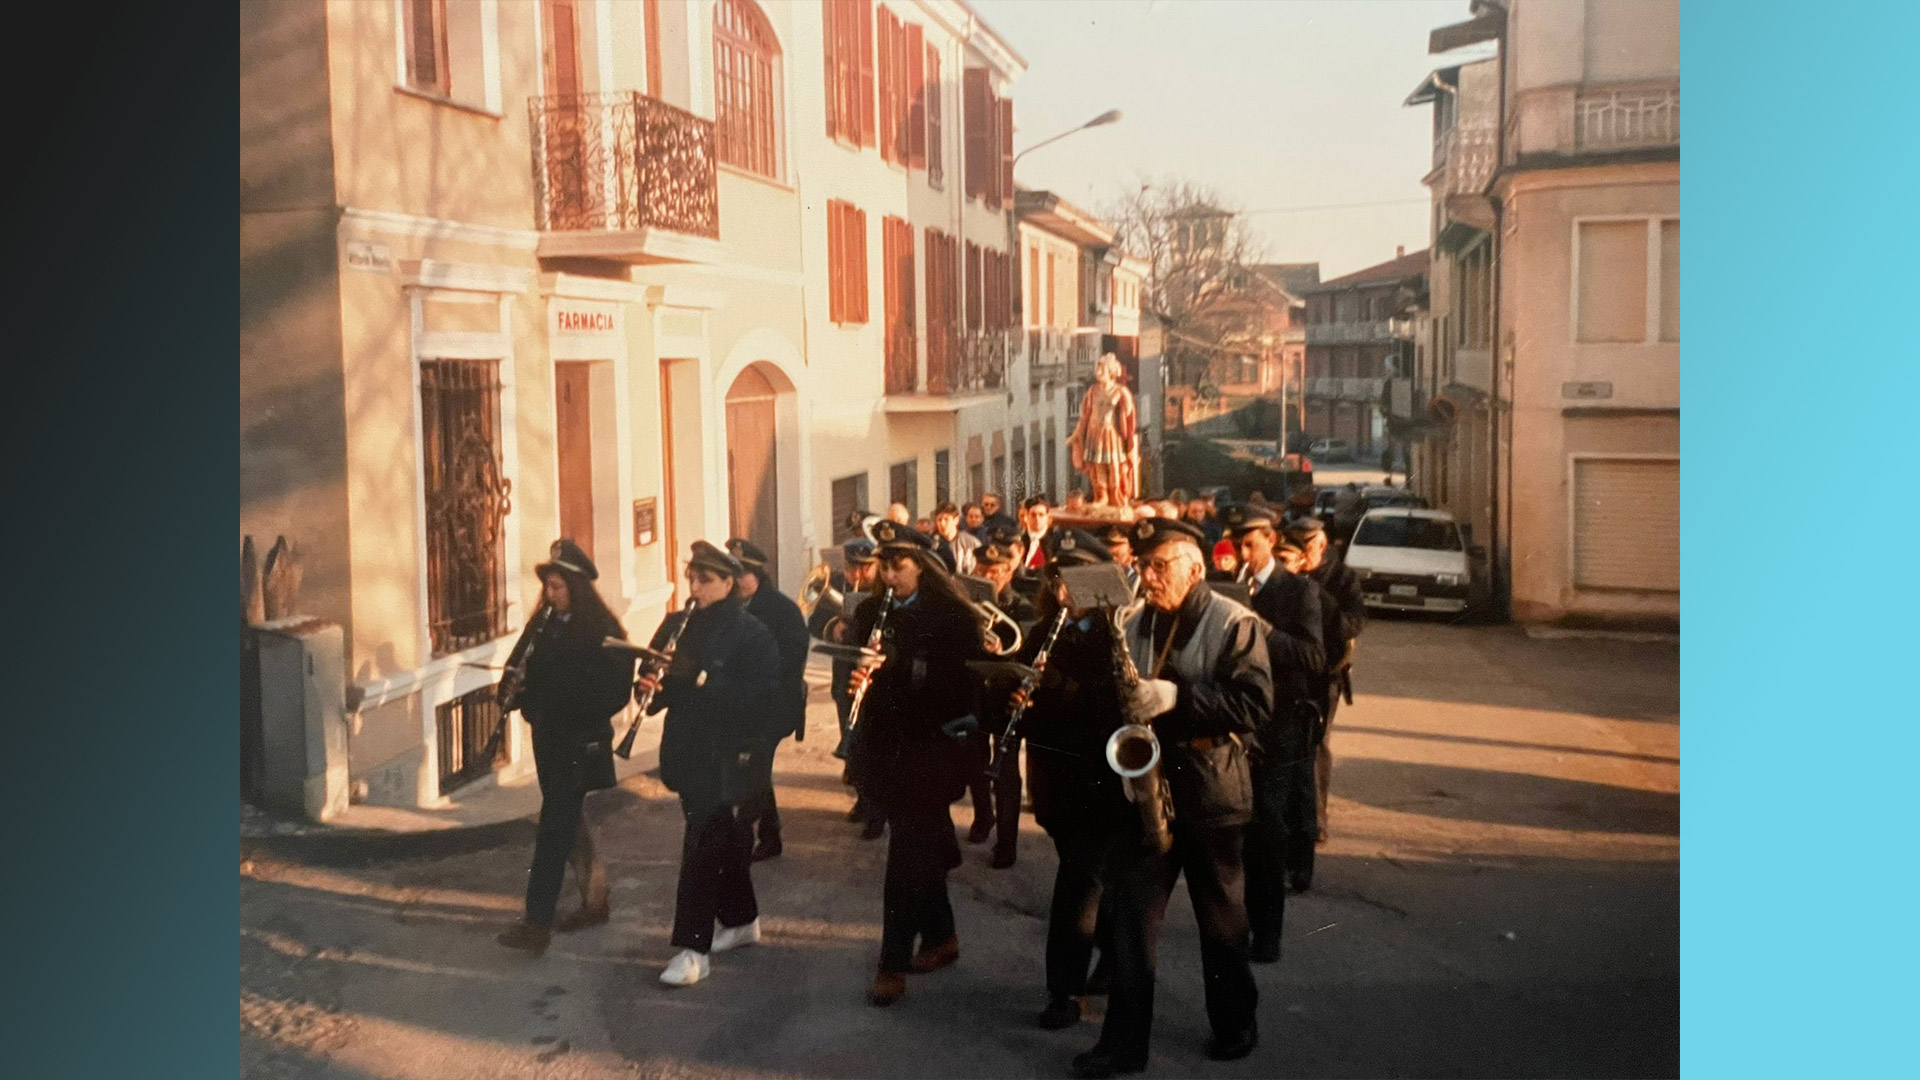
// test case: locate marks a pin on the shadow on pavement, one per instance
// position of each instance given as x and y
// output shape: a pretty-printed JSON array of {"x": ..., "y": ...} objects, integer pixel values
[{"x": 1506, "y": 798}]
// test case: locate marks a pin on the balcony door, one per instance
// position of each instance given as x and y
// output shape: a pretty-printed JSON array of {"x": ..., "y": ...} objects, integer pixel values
[{"x": 567, "y": 121}]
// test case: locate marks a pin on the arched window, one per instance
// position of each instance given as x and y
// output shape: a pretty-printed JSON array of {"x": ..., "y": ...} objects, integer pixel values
[{"x": 746, "y": 82}]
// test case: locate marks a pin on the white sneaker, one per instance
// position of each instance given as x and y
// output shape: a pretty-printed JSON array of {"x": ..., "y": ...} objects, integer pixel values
[
  {"x": 688, "y": 967},
  {"x": 734, "y": 937}
]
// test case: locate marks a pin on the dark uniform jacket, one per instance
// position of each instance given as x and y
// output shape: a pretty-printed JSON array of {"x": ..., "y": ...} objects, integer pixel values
[
  {"x": 720, "y": 696},
  {"x": 782, "y": 618},
  {"x": 900, "y": 754},
  {"x": 1345, "y": 614},
  {"x": 1218, "y": 658},
  {"x": 1018, "y": 608},
  {"x": 573, "y": 687},
  {"x": 1075, "y": 709},
  {"x": 1291, "y": 606}
]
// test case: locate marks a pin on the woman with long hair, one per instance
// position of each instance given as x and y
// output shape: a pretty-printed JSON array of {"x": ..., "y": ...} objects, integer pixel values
[
  {"x": 910, "y": 752},
  {"x": 569, "y": 691}
]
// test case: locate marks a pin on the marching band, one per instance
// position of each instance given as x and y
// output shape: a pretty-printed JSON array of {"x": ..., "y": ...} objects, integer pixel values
[{"x": 1172, "y": 726}]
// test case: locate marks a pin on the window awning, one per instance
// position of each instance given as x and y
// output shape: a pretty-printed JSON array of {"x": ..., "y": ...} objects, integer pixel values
[{"x": 1477, "y": 29}]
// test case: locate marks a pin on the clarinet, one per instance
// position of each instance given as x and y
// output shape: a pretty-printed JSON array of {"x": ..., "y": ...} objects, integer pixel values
[
  {"x": 625, "y": 749},
  {"x": 873, "y": 645},
  {"x": 1027, "y": 685},
  {"x": 513, "y": 681}
]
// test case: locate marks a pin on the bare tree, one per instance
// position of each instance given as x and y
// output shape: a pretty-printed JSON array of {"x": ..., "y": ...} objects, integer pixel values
[{"x": 1199, "y": 249}]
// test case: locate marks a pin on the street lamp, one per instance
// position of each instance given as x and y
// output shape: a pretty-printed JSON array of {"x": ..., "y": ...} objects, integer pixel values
[{"x": 1109, "y": 117}]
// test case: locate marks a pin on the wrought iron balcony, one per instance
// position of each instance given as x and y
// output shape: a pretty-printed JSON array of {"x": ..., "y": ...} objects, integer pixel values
[
  {"x": 1370, "y": 332},
  {"x": 623, "y": 176},
  {"x": 962, "y": 369},
  {"x": 1470, "y": 150}
]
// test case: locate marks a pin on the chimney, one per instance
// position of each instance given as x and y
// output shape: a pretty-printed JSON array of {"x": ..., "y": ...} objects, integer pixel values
[{"x": 1400, "y": 251}]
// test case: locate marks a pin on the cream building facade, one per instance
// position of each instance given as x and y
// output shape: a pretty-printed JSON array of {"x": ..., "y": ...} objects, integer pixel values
[
  {"x": 513, "y": 271},
  {"x": 1558, "y": 342}
]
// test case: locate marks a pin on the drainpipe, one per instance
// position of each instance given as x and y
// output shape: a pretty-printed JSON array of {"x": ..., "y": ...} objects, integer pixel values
[{"x": 1498, "y": 417}]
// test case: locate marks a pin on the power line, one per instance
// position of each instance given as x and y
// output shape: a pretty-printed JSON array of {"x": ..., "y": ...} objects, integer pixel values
[{"x": 1335, "y": 206}]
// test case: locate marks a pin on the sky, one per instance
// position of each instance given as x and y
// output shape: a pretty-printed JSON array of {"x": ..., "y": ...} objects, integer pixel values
[{"x": 1273, "y": 103}]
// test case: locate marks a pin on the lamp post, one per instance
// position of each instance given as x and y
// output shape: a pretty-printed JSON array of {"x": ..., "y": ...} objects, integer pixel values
[{"x": 1109, "y": 117}]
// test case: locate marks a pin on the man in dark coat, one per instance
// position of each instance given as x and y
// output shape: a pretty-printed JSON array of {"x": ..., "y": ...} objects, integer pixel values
[
  {"x": 1346, "y": 616},
  {"x": 1214, "y": 654},
  {"x": 782, "y": 618},
  {"x": 722, "y": 682},
  {"x": 997, "y": 802},
  {"x": 1077, "y": 799},
  {"x": 994, "y": 518},
  {"x": 1290, "y": 604},
  {"x": 855, "y": 583},
  {"x": 909, "y": 747}
]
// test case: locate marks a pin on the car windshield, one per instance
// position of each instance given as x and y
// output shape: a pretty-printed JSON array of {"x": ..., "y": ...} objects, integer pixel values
[{"x": 1427, "y": 534}]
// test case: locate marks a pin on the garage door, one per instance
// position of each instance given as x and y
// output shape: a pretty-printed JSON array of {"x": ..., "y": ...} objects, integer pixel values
[{"x": 1626, "y": 524}]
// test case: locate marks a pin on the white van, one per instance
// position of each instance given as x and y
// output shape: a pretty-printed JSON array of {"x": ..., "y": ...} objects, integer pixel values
[
  {"x": 1411, "y": 560},
  {"x": 1330, "y": 450}
]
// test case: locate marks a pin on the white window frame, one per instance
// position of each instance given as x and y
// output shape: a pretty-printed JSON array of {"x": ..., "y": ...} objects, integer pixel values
[
  {"x": 491, "y": 101},
  {"x": 1651, "y": 332}
]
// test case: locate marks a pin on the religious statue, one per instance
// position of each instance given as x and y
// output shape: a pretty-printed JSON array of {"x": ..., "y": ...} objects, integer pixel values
[{"x": 1106, "y": 445}]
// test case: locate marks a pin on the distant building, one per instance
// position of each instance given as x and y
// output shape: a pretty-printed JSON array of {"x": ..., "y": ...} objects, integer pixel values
[
  {"x": 1551, "y": 376},
  {"x": 1360, "y": 330}
]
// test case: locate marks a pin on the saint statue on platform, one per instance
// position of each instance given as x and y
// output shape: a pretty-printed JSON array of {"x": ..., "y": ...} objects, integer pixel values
[{"x": 1106, "y": 445}]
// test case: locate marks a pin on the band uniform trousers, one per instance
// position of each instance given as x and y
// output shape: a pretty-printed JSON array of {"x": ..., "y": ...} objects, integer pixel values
[
  {"x": 1282, "y": 820},
  {"x": 563, "y": 837},
  {"x": 1323, "y": 758},
  {"x": 921, "y": 849},
  {"x": 997, "y": 802},
  {"x": 1074, "y": 925},
  {"x": 1138, "y": 885},
  {"x": 715, "y": 883},
  {"x": 759, "y": 809}
]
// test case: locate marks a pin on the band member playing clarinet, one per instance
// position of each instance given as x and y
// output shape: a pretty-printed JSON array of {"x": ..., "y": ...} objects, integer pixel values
[
  {"x": 1076, "y": 798},
  {"x": 781, "y": 616},
  {"x": 720, "y": 692},
  {"x": 568, "y": 687},
  {"x": 909, "y": 749},
  {"x": 1214, "y": 651}
]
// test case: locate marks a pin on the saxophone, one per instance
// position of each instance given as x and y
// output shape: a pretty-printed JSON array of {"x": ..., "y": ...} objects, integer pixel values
[{"x": 1133, "y": 751}]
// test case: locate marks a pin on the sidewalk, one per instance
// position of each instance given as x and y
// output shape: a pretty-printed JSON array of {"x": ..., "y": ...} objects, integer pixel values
[{"x": 487, "y": 812}]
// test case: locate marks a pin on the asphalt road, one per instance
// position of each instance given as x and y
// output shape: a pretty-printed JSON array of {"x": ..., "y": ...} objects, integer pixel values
[{"x": 1499, "y": 898}]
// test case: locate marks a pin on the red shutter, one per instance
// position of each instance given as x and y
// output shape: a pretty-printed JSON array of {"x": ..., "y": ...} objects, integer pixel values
[
  {"x": 916, "y": 72},
  {"x": 863, "y": 83},
  {"x": 1006, "y": 153},
  {"x": 859, "y": 295},
  {"x": 835, "y": 278},
  {"x": 936, "y": 169},
  {"x": 889, "y": 87},
  {"x": 831, "y": 15},
  {"x": 977, "y": 123}
]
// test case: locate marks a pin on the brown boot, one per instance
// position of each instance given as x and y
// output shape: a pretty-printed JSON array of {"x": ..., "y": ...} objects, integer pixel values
[
  {"x": 936, "y": 957},
  {"x": 888, "y": 987},
  {"x": 525, "y": 935},
  {"x": 583, "y": 918}
]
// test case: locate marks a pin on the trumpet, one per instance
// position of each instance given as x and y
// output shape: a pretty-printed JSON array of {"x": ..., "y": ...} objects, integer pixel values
[{"x": 999, "y": 633}]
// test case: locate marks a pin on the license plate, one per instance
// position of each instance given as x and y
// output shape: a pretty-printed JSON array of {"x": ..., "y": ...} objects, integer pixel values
[{"x": 1410, "y": 591}]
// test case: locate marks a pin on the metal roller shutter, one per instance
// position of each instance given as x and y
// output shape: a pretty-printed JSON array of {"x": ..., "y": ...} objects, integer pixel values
[{"x": 1626, "y": 524}]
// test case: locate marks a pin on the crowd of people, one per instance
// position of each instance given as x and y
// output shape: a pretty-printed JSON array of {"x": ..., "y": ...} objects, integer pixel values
[{"x": 1228, "y": 635}]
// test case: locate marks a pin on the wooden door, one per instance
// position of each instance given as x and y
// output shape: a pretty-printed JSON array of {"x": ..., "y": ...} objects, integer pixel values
[
  {"x": 573, "y": 435},
  {"x": 752, "y": 472},
  {"x": 568, "y": 125}
]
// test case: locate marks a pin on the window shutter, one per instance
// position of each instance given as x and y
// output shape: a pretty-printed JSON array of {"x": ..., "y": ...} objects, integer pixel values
[
  {"x": 863, "y": 88},
  {"x": 563, "y": 72},
  {"x": 916, "y": 72},
  {"x": 973, "y": 286},
  {"x": 977, "y": 123},
  {"x": 859, "y": 294},
  {"x": 889, "y": 87},
  {"x": 935, "y": 167},
  {"x": 833, "y": 15},
  {"x": 1006, "y": 153}
]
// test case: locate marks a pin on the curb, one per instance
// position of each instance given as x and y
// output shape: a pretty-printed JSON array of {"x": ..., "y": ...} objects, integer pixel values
[{"x": 359, "y": 847}]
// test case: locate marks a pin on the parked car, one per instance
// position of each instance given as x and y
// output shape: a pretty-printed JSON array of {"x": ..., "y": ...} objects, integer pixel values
[
  {"x": 1331, "y": 450},
  {"x": 1412, "y": 559},
  {"x": 1382, "y": 496}
]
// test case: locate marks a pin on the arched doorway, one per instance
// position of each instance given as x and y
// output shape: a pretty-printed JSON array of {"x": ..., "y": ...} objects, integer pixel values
[{"x": 753, "y": 504}]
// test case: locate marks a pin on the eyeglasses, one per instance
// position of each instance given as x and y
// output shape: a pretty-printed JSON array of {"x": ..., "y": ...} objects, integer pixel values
[{"x": 1164, "y": 566}]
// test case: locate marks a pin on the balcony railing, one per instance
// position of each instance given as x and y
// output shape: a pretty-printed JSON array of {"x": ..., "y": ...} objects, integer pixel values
[
  {"x": 971, "y": 364},
  {"x": 1626, "y": 119},
  {"x": 622, "y": 163},
  {"x": 1344, "y": 388},
  {"x": 1373, "y": 331},
  {"x": 1471, "y": 150},
  {"x": 1083, "y": 352}
]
